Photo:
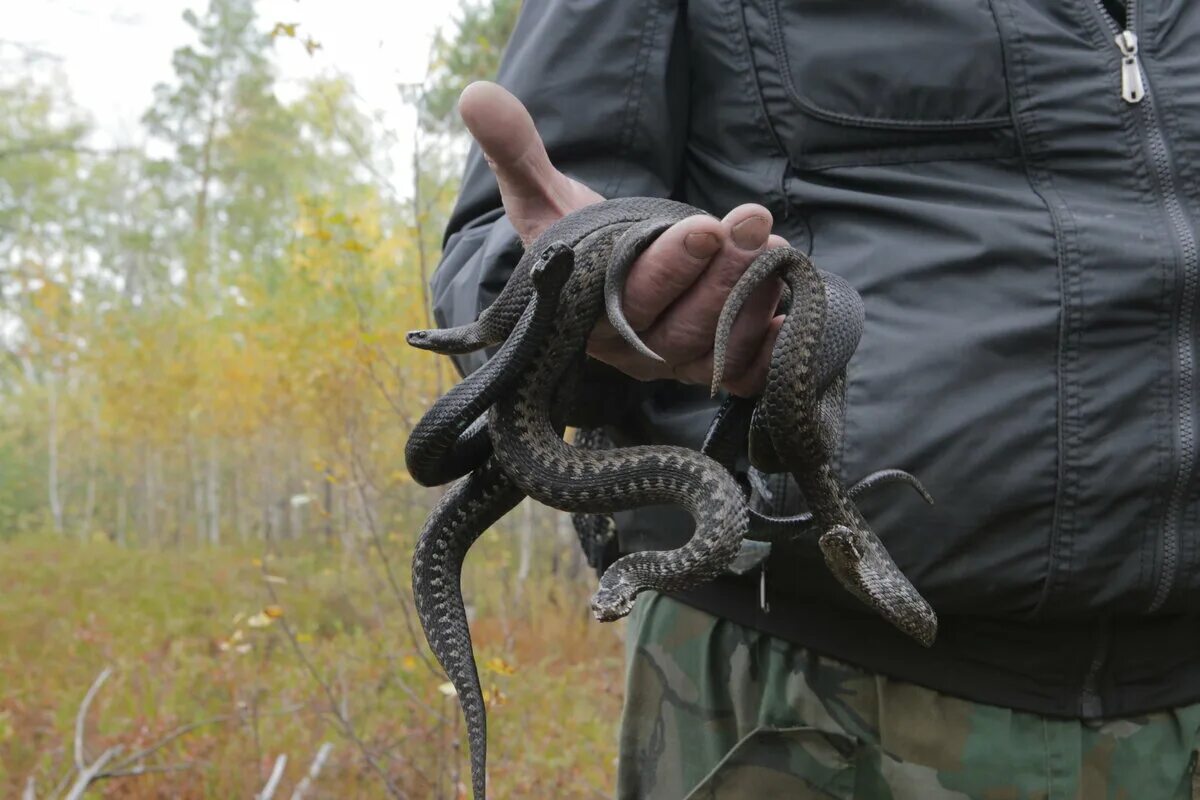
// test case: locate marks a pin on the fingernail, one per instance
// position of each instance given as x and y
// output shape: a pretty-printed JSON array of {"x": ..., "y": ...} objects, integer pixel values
[
  {"x": 701, "y": 245},
  {"x": 749, "y": 234}
]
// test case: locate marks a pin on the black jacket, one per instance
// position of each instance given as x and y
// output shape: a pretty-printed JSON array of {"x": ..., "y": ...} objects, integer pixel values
[{"x": 1025, "y": 241}]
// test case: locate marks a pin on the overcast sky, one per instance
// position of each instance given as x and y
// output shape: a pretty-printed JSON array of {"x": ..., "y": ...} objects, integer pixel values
[{"x": 114, "y": 51}]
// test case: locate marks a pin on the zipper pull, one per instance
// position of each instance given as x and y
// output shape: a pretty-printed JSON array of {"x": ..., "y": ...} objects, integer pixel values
[{"x": 1133, "y": 89}]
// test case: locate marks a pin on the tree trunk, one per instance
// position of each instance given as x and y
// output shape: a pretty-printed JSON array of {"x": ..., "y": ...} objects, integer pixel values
[
  {"x": 213, "y": 494},
  {"x": 526, "y": 560},
  {"x": 327, "y": 479},
  {"x": 89, "y": 499},
  {"x": 56, "y": 511}
]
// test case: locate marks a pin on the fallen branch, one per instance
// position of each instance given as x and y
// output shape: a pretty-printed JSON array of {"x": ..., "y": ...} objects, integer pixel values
[
  {"x": 81, "y": 717},
  {"x": 334, "y": 707},
  {"x": 268, "y": 791},
  {"x": 314, "y": 770},
  {"x": 89, "y": 773},
  {"x": 80, "y": 775}
]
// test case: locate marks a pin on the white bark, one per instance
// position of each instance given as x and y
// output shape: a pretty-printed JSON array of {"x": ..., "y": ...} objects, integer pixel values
[
  {"x": 213, "y": 495},
  {"x": 56, "y": 511},
  {"x": 273, "y": 782}
]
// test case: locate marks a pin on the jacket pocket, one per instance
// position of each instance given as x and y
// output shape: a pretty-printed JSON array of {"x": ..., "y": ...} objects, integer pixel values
[
  {"x": 797, "y": 763},
  {"x": 875, "y": 81}
]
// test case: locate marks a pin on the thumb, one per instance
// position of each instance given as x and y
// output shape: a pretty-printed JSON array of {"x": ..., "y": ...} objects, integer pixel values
[{"x": 535, "y": 194}]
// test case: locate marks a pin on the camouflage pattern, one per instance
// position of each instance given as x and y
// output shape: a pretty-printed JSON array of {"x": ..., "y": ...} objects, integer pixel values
[{"x": 714, "y": 711}]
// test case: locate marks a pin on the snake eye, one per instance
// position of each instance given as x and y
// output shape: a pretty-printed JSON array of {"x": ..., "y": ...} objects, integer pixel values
[
  {"x": 610, "y": 604},
  {"x": 558, "y": 256}
]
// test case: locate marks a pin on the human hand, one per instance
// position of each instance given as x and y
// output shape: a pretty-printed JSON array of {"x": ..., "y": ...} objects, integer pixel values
[{"x": 675, "y": 290}]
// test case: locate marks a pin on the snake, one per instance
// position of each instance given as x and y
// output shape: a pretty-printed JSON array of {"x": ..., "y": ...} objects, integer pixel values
[
  {"x": 475, "y": 502},
  {"x": 501, "y": 436},
  {"x": 786, "y": 431}
]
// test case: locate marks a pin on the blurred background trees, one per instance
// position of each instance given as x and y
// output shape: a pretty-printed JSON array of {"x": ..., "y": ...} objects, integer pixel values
[
  {"x": 204, "y": 398},
  {"x": 204, "y": 339}
]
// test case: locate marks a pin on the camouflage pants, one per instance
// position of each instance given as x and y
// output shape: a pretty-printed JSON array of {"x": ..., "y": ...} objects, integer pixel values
[{"x": 716, "y": 710}]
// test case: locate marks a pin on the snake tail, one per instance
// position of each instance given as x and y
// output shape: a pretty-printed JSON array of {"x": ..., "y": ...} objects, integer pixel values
[
  {"x": 628, "y": 247},
  {"x": 469, "y": 508}
]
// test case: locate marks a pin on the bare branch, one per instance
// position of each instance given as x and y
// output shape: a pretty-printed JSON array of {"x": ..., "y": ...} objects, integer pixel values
[
  {"x": 334, "y": 707},
  {"x": 30, "y": 792},
  {"x": 81, "y": 719},
  {"x": 268, "y": 791},
  {"x": 314, "y": 770},
  {"x": 38, "y": 148},
  {"x": 143, "y": 769},
  {"x": 89, "y": 773}
]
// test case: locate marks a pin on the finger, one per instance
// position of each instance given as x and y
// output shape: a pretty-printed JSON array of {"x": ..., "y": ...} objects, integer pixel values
[
  {"x": 617, "y": 353},
  {"x": 535, "y": 194},
  {"x": 750, "y": 381},
  {"x": 684, "y": 331},
  {"x": 670, "y": 265},
  {"x": 750, "y": 326}
]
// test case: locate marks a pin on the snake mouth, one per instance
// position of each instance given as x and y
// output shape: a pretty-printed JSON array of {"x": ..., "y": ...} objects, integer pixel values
[
  {"x": 611, "y": 604},
  {"x": 448, "y": 341},
  {"x": 417, "y": 338}
]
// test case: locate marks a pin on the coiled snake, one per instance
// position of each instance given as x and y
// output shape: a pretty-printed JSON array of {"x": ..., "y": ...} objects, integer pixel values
[{"x": 504, "y": 425}]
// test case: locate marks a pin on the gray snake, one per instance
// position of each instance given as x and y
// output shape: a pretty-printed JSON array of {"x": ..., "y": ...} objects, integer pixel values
[{"x": 504, "y": 424}]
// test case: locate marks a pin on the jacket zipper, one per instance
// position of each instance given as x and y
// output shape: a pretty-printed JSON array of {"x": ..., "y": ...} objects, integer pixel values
[{"x": 1133, "y": 91}]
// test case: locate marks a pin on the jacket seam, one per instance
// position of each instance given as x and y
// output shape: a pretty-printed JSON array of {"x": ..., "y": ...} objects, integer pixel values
[
  {"x": 744, "y": 54},
  {"x": 1026, "y": 131},
  {"x": 633, "y": 101},
  {"x": 929, "y": 154}
]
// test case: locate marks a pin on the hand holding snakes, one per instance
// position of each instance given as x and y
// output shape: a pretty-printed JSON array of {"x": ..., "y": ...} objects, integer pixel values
[{"x": 504, "y": 424}]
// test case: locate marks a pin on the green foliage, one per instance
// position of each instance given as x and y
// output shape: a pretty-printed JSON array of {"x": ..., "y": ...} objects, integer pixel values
[{"x": 472, "y": 52}]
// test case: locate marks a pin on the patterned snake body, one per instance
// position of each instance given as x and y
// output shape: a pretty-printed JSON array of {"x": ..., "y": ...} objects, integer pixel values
[
  {"x": 474, "y": 503},
  {"x": 528, "y": 442},
  {"x": 543, "y": 318},
  {"x": 787, "y": 421}
]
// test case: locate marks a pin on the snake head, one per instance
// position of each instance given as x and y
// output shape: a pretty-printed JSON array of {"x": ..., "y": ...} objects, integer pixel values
[
  {"x": 612, "y": 602},
  {"x": 553, "y": 266},
  {"x": 870, "y": 574},
  {"x": 448, "y": 341}
]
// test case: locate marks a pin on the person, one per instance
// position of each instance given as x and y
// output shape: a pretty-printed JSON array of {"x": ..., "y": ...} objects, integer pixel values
[{"x": 1013, "y": 188}]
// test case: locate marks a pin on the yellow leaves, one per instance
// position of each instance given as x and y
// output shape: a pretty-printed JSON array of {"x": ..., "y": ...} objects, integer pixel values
[
  {"x": 493, "y": 697},
  {"x": 265, "y": 617},
  {"x": 235, "y": 643},
  {"x": 408, "y": 663},
  {"x": 287, "y": 29},
  {"x": 259, "y": 620},
  {"x": 499, "y": 666}
]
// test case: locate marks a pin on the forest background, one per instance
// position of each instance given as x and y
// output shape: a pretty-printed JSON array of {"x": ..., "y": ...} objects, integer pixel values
[{"x": 205, "y": 522}]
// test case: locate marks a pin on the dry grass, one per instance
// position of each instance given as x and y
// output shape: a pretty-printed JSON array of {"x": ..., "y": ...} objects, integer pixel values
[{"x": 179, "y": 628}]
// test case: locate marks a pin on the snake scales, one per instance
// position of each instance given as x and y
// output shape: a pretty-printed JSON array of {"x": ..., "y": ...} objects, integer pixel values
[{"x": 502, "y": 428}]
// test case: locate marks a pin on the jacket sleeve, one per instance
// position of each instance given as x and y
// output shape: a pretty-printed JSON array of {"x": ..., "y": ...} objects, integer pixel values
[{"x": 606, "y": 83}]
